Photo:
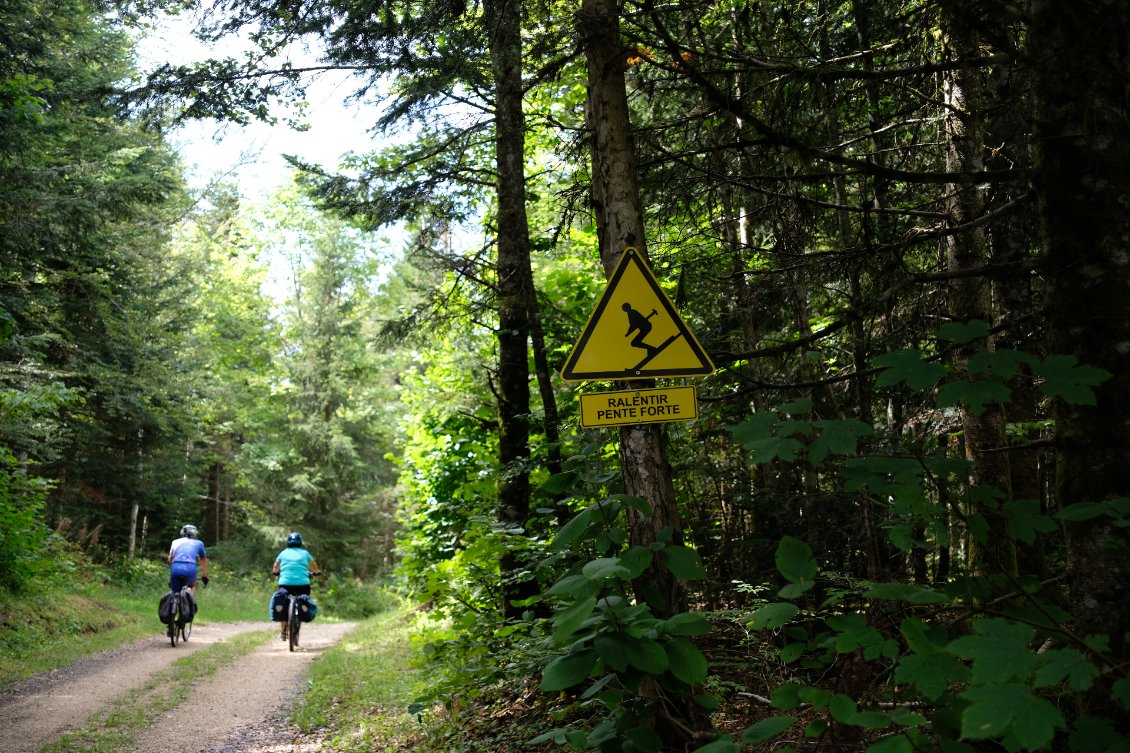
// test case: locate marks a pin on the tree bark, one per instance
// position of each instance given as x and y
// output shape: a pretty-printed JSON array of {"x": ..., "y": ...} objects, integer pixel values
[
  {"x": 1082, "y": 91},
  {"x": 504, "y": 22},
  {"x": 619, "y": 219}
]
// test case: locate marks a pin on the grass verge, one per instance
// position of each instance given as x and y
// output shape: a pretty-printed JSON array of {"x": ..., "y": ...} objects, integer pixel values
[{"x": 361, "y": 690}]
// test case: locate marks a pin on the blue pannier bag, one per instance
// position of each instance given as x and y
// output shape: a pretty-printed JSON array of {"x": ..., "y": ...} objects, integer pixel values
[
  {"x": 307, "y": 609},
  {"x": 278, "y": 606}
]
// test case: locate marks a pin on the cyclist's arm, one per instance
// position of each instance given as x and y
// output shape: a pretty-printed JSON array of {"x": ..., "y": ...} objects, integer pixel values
[{"x": 313, "y": 568}]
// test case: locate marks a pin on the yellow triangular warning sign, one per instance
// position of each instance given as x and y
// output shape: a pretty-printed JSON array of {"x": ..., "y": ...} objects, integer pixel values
[{"x": 635, "y": 332}]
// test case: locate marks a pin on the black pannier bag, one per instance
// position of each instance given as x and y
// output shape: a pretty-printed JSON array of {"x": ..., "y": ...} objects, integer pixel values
[{"x": 167, "y": 607}]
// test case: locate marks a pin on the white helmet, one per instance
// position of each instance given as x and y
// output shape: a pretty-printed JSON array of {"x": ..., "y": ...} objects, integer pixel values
[{"x": 189, "y": 531}]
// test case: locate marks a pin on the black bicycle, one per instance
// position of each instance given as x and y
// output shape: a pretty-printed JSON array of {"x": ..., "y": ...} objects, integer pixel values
[
  {"x": 183, "y": 612},
  {"x": 293, "y": 623}
]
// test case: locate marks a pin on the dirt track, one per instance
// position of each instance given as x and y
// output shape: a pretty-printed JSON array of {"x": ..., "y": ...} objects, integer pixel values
[{"x": 239, "y": 709}]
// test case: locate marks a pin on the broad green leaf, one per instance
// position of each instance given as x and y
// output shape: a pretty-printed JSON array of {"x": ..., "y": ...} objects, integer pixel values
[
  {"x": 842, "y": 708},
  {"x": 931, "y": 673},
  {"x": 773, "y": 448},
  {"x": 996, "y": 711},
  {"x": 724, "y": 744},
  {"x": 572, "y": 530},
  {"x": 791, "y": 652},
  {"x": 686, "y": 661},
  {"x": 577, "y": 586},
  {"x": 911, "y": 593},
  {"x": 963, "y": 333},
  {"x": 837, "y": 437},
  {"x": 559, "y": 483},
  {"x": 907, "y": 366},
  {"x": 767, "y": 729},
  {"x": 1057, "y": 665},
  {"x": 854, "y": 632},
  {"x": 1025, "y": 520},
  {"x": 773, "y": 616},
  {"x": 568, "y": 620},
  {"x": 566, "y": 671},
  {"x": 794, "y": 560},
  {"x": 998, "y": 649},
  {"x": 684, "y": 563},
  {"x": 1063, "y": 377},
  {"x": 871, "y": 720},
  {"x": 646, "y": 654},
  {"x": 786, "y": 697},
  {"x": 891, "y": 744},
  {"x": 756, "y": 428},
  {"x": 603, "y": 568},
  {"x": 975, "y": 395},
  {"x": 636, "y": 559},
  {"x": 685, "y": 623},
  {"x": 644, "y": 739}
]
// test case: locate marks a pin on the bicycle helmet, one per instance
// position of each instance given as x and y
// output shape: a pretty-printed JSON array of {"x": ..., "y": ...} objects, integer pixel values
[
  {"x": 189, "y": 531},
  {"x": 294, "y": 539}
]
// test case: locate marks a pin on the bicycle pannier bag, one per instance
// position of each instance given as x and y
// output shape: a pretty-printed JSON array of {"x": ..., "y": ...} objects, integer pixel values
[
  {"x": 307, "y": 609},
  {"x": 278, "y": 606},
  {"x": 166, "y": 607}
]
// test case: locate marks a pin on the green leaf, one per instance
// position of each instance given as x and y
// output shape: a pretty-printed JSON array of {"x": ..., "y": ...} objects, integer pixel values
[
  {"x": 604, "y": 568},
  {"x": 559, "y": 483},
  {"x": 773, "y": 616},
  {"x": 577, "y": 586},
  {"x": 685, "y": 623},
  {"x": 963, "y": 333},
  {"x": 998, "y": 649},
  {"x": 996, "y": 711},
  {"x": 773, "y": 448},
  {"x": 795, "y": 562},
  {"x": 1063, "y": 377},
  {"x": 931, "y": 673},
  {"x": 636, "y": 559},
  {"x": 767, "y": 729},
  {"x": 1025, "y": 520},
  {"x": 568, "y": 620},
  {"x": 756, "y": 428},
  {"x": 975, "y": 395},
  {"x": 842, "y": 708},
  {"x": 724, "y": 744},
  {"x": 644, "y": 739},
  {"x": 566, "y": 671},
  {"x": 646, "y": 655},
  {"x": 839, "y": 437},
  {"x": 907, "y": 366},
  {"x": 891, "y": 744},
  {"x": 613, "y": 650},
  {"x": 572, "y": 530},
  {"x": 1057, "y": 665},
  {"x": 684, "y": 563},
  {"x": 911, "y": 593},
  {"x": 686, "y": 661}
]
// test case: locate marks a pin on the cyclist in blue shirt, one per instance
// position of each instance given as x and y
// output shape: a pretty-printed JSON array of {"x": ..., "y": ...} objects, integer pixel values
[
  {"x": 183, "y": 556},
  {"x": 293, "y": 567}
]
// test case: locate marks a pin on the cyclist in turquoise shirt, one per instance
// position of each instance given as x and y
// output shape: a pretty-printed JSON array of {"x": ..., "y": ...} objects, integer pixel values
[{"x": 293, "y": 568}]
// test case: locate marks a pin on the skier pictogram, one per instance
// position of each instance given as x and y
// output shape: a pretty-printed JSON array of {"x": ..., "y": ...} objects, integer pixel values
[{"x": 606, "y": 351}]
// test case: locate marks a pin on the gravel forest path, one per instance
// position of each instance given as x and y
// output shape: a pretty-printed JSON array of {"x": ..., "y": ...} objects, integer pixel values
[{"x": 241, "y": 708}]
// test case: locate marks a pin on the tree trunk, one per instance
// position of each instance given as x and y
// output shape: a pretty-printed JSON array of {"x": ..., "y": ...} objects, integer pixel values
[
  {"x": 967, "y": 250},
  {"x": 619, "y": 219},
  {"x": 1082, "y": 91},
  {"x": 504, "y": 21}
]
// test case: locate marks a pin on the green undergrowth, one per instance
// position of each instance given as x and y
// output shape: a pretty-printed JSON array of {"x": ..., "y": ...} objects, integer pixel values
[
  {"x": 361, "y": 689},
  {"x": 61, "y": 619},
  {"x": 114, "y": 729}
]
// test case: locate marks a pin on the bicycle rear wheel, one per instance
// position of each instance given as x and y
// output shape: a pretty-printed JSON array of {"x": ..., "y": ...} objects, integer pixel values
[
  {"x": 174, "y": 628},
  {"x": 293, "y": 623}
]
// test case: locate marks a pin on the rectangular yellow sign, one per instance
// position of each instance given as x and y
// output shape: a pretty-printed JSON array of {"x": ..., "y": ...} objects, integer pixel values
[{"x": 648, "y": 406}]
